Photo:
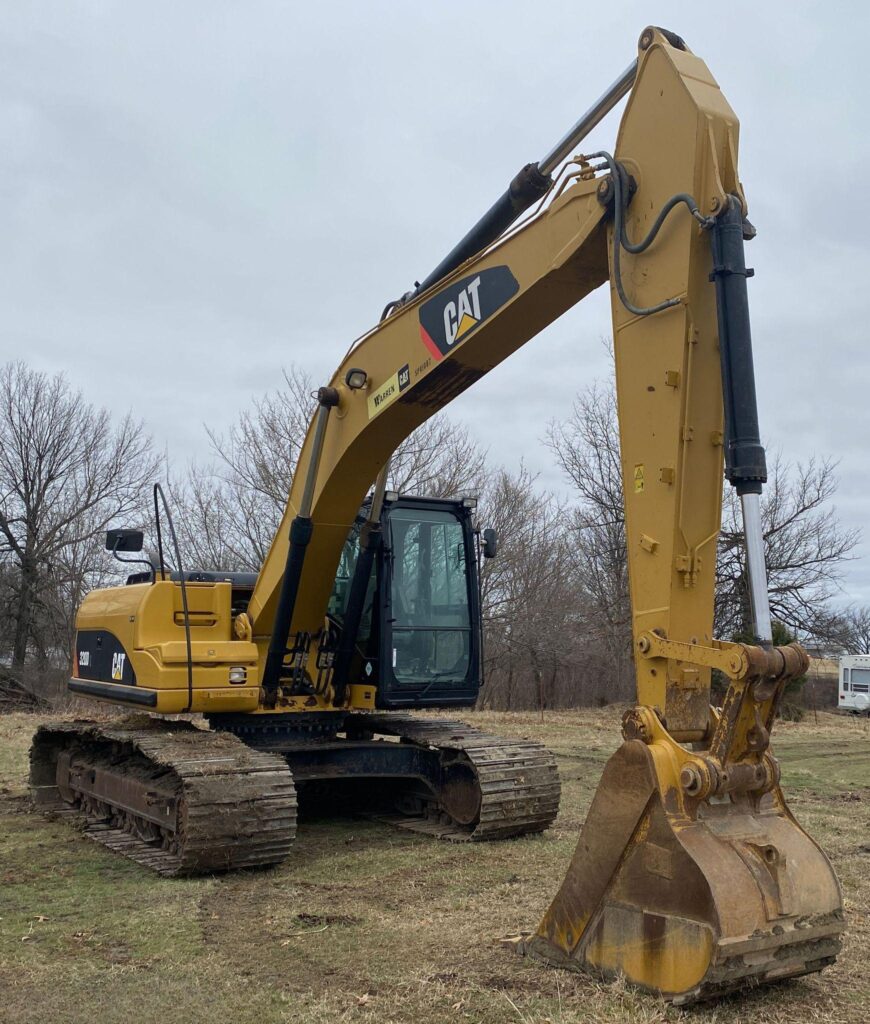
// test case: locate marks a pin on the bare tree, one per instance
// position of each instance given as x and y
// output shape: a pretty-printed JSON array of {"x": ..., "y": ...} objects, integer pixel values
[
  {"x": 439, "y": 460},
  {"x": 586, "y": 447},
  {"x": 531, "y": 607},
  {"x": 222, "y": 523},
  {"x": 259, "y": 452},
  {"x": 232, "y": 508},
  {"x": 66, "y": 473},
  {"x": 806, "y": 545},
  {"x": 852, "y": 630}
]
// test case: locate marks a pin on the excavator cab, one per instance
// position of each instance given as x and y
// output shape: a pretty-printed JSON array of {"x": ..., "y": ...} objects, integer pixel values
[{"x": 419, "y": 635}]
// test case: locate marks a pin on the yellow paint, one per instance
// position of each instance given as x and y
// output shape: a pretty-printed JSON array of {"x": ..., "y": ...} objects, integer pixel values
[
  {"x": 362, "y": 697},
  {"x": 148, "y": 622},
  {"x": 678, "y": 135},
  {"x": 612, "y": 911},
  {"x": 675, "y": 963},
  {"x": 385, "y": 395}
]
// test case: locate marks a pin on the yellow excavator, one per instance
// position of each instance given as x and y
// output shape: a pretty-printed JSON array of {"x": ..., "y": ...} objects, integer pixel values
[{"x": 691, "y": 876}]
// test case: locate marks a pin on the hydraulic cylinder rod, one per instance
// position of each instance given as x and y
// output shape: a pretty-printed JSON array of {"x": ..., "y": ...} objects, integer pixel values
[
  {"x": 601, "y": 107},
  {"x": 530, "y": 184},
  {"x": 757, "y": 570}
]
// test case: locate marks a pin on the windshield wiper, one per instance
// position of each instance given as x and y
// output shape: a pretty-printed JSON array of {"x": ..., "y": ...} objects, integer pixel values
[{"x": 433, "y": 680}]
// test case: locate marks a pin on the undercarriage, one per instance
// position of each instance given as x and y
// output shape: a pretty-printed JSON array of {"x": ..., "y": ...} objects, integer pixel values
[{"x": 184, "y": 800}]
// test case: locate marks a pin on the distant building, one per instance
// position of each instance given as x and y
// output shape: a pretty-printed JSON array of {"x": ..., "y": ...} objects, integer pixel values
[{"x": 854, "y": 684}]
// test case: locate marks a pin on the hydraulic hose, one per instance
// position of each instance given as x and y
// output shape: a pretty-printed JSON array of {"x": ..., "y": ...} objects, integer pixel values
[
  {"x": 621, "y": 241},
  {"x": 158, "y": 490}
]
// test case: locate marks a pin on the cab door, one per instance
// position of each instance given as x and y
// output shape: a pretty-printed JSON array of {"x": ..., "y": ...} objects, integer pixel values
[{"x": 430, "y": 633}]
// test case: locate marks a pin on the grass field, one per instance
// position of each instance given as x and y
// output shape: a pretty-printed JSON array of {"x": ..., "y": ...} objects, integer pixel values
[{"x": 363, "y": 923}]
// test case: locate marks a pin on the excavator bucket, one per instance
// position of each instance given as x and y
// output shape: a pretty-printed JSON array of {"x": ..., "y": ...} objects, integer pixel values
[{"x": 689, "y": 883}]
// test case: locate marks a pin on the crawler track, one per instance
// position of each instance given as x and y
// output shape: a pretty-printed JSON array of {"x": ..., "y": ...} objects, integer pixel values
[
  {"x": 500, "y": 787},
  {"x": 184, "y": 801},
  {"x": 173, "y": 798}
]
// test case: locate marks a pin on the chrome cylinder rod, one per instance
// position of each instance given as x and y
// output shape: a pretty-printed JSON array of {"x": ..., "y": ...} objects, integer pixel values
[
  {"x": 380, "y": 489},
  {"x": 756, "y": 568},
  {"x": 322, "y": 416},
  {"x": 529, "y": 185},
  {"x": 601, "y": 107}
]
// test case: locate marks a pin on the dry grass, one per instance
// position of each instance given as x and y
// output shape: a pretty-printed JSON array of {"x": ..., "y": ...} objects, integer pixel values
[{"x": 366, "y": 924}]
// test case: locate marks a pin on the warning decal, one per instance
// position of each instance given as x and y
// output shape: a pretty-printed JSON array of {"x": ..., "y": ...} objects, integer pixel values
[{"x": 389, "y": 391}]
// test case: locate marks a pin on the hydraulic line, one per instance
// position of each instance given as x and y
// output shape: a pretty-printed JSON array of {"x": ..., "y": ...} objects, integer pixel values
[
  {"x": 619, "y": 179},
  {"x": 745, "y": 465},
  {"x": 158, "y": 491}
]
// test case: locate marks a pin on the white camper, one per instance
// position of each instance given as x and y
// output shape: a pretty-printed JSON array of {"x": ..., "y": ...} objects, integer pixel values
[{"x": 855, "y": 683}]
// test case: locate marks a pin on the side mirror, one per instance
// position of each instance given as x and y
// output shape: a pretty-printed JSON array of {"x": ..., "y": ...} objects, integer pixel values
[
  {"x": 124, "y": 540},
  {"x": 490, "y": 543}
]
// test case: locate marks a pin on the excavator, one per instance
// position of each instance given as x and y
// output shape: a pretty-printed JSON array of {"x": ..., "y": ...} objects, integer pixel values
[{"x": 691, "y": 876}]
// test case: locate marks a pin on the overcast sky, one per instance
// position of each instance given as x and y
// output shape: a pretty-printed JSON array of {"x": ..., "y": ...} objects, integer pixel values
[{"x": 197, "y": 194}]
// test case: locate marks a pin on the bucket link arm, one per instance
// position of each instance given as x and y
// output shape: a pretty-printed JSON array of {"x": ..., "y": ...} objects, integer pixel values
[{"x": 736, "y": 757}]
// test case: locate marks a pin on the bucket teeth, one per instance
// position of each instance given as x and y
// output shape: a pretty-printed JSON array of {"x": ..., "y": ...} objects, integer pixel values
[{"x": 690, "y": 899}]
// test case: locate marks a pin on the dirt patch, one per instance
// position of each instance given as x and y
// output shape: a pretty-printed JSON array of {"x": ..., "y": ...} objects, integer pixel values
[{"x": 327, "y": 919}]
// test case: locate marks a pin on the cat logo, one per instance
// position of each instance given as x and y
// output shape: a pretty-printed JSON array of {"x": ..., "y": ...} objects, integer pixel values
[
  {"x": 453, "y": 315},
  {"x": 118, "y": 666},
  {"x": 463, "y": 314}
]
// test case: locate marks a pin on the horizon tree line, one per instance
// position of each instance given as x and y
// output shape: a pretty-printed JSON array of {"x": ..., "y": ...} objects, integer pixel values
[{"x": 557, "y": 616}]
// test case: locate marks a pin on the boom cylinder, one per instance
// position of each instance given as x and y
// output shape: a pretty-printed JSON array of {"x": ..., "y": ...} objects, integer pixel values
[
  {"x": 301, "y": 530},
  {"x": 369, "y": 542}
]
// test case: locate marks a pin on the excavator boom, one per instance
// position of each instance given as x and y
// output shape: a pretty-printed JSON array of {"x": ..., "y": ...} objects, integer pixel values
[{"x": 691, "y": 876}]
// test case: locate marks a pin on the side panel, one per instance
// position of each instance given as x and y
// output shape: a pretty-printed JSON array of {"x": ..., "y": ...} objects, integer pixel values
[
  {"x": 130, "y": 646},
  {"x": 100, "y": 656}
]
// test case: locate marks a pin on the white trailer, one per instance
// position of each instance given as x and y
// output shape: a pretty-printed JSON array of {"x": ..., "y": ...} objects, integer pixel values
[{"x": 855, "y": 683}]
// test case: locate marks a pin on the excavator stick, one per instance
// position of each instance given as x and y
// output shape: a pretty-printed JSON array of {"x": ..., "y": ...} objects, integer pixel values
[{"x": 691, "y": 877}]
